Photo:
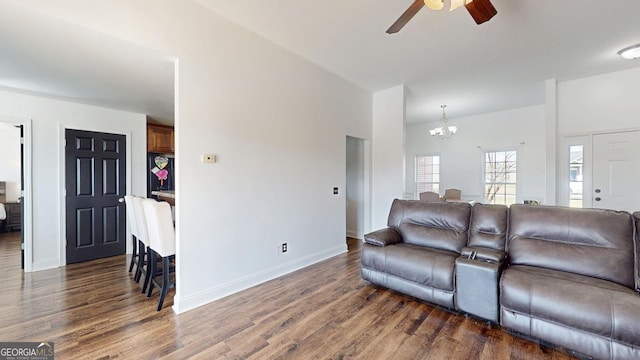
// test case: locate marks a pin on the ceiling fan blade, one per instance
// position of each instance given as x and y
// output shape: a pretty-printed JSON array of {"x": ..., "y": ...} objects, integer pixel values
[
  {"x": 404, "y": 18},
  {"x": 481, "y": 10}
]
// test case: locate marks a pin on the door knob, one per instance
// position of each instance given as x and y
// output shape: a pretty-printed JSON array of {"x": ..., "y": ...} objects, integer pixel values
[
  {"x": 597, "y": 191},
  {"x": 121, "y": 200},
  {"x": 597, "y": 199}
]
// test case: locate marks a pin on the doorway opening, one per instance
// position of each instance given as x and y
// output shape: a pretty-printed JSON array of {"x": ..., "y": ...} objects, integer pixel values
[
  {"x": 357, "y": 190},
  {"x": 12, "y": 156}
]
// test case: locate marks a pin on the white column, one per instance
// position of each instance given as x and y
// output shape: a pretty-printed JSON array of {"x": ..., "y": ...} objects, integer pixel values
[
  {"x": 388, "y": 165},
  {"x": 551, "y": 135}
]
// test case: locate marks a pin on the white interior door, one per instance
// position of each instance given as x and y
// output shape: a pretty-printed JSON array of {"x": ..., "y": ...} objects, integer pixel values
[{"x": 616, "y": 171}]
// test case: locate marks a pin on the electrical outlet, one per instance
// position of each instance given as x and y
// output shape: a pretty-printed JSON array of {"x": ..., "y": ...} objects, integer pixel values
[
  {"x": 208, "y": 158},
  {"x": 283, "y": 247}
]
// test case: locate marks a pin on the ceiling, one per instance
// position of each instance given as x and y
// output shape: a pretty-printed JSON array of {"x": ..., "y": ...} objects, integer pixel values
[
  {"x": 45, "y": 56},
  {"x": 442, "y": 57}
]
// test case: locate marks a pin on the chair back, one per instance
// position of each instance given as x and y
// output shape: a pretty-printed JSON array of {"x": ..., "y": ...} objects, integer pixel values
[
  {"x": 429, "y": 196},
  {"x": 162, "y": 235},
  {"x": 131, "y": 215},
  {"x": 141, "y": 222},
  {"x": 452, "y": 194}
]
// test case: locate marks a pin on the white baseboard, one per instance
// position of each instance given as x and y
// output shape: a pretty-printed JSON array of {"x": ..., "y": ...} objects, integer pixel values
[
  {"x": 354, "y": 234},
  {"x": 186, "y": 303},
  {"x": 45, "y": 265}
]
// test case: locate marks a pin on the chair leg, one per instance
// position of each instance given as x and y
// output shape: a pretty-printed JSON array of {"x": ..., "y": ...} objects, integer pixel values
[
  {"x": 153, "y": 272},
  {"x": 134, "y": 254},
  {"x": 142, "y": 258},
  {"x": 165, "y": 281},
  {"x": 148, "y": 270}
]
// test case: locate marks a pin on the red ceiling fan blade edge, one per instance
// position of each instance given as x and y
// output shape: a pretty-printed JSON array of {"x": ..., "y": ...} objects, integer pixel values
[
  {"x": 406, "y": 16},
  {"x": 481, "y": 10}
]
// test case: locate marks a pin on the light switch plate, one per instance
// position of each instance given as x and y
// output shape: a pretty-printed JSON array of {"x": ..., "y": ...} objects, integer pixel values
[{"x": 208, "y": 158}]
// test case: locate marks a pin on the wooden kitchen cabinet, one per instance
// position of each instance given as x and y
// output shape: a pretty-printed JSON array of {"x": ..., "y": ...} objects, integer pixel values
[{"x": 160, "y": 139}]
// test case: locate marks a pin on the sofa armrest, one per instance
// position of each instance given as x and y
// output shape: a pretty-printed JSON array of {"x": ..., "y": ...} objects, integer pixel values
[
  {"x": 483, "y": 254},
  {"x": 383, "y": 237}
]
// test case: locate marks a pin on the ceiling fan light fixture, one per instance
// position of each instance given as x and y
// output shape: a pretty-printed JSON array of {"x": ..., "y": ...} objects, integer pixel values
[
  {"x": 458, "y": 3},
  {"x": 480, "y": 10},
  {"x": 630, "y": 52},
  {"x": 434, "y": 4}
]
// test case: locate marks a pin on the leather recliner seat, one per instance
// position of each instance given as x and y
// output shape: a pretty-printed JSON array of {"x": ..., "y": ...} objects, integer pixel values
[
  {"x": 570, "y": 280},
  {"x": 416, "y": 253}
]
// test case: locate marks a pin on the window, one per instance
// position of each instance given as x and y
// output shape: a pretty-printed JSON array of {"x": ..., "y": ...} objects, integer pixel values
[
  {"x": 500, "y": 177},
  {"x": 576, "y": 164},
  {"x": 427, "y": 173}
]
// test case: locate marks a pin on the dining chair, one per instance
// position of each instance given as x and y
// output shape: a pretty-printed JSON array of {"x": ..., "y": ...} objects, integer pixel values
[
  {"x": 162, "y": 246},
  {"x": 429, "y": 196},
  {"x": 452, "y": 194},
  {"x": 131, "y": 216},
  {"x": 143, "y": 243}
]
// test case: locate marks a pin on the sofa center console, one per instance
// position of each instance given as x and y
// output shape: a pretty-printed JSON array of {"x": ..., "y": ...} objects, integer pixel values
[{"x": 478, "y": 273}]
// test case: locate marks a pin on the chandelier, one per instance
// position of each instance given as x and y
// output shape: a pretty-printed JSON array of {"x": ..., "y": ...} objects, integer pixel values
[{"x": 444, "y": 131}]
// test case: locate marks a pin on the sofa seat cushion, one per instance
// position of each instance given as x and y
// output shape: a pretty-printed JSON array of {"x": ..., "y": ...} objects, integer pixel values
[
  {"x": 425, "y": 266},
  {"x": 601, "y": 307}
]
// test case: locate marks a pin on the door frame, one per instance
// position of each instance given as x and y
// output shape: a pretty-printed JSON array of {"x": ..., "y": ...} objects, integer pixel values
[
  {"x": 365, "y": 208},
  {"x": 62, "y": 253},
  {"x": 27, "y": 202},
  {"x": 366, "y": 184}
]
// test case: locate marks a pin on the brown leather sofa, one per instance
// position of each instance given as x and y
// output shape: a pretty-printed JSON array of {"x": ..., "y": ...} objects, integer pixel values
[
  {"x": 572, "y": 279},
  {"x": 416, "y": 254},
  {"x": 571, "y": 276}
]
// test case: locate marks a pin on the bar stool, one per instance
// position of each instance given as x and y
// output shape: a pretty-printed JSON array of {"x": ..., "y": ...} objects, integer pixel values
[
  {"x": 162, "y": 246},
  {"x": 143, "y": 243},
  {"x": 135, "y": 255}
]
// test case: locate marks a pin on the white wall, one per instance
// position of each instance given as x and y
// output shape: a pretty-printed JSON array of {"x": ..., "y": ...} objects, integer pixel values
[
  {"x": 49, "y": 118},
  {"x": 388, "y": 152},
  {"x": 599, "y": 103},
  {"x": 355, "y": 188},
  {"x": 589, "y": 106},
  {"x": 10, "y": 159},
  {"x": 461, "y": 157},
  {"x": 277, "y": 124}
]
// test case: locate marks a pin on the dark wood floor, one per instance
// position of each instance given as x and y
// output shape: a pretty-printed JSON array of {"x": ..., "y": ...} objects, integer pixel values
[{"x": 326, "y": 311}]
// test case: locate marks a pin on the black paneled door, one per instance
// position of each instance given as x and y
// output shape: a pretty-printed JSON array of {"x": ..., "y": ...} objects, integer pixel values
[{"x": 95, "y": 182}]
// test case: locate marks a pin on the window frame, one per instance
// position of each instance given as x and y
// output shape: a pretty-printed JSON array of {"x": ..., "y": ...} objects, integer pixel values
[
  {"x": 415, "y": 170},
  {"x": 518, "y": 152},
  {"x": 562, "y": 183},
  {"x": 577, "y": 202}
]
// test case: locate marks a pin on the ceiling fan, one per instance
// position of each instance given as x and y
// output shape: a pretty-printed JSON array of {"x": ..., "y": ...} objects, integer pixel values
[{"x": 480, "y": 10}]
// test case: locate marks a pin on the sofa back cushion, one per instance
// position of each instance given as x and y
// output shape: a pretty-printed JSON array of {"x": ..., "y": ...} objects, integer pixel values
[
  {"x": 488, "y": 226},
  {"x": 592, "y": 242},
  {"x": 441, "y": 226}
]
